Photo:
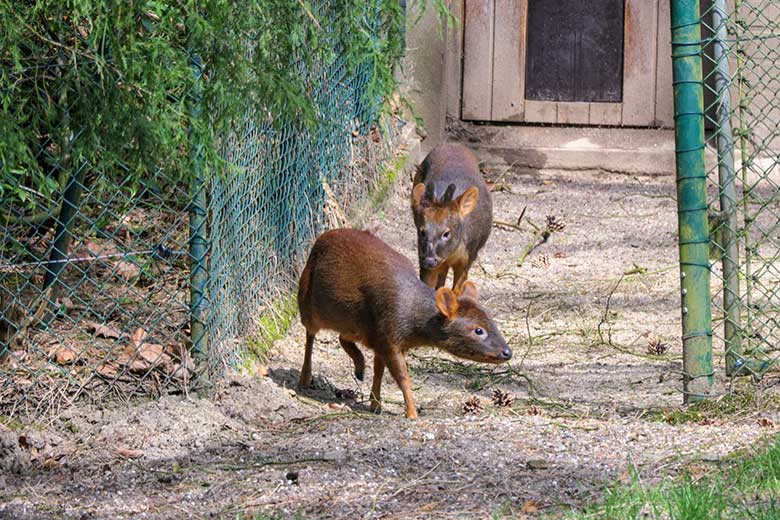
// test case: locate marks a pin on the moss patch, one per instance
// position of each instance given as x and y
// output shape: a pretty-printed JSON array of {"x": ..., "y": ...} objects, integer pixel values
[{"x": 272, "y": 325}]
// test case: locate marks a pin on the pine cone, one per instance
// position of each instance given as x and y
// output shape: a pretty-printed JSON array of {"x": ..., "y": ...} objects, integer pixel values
[
  {"x": 472, "y": 405},
  {"x": 656, "y": 347},
  {"x": 501, "y": 398},
  {"x": 533, "y": 410},
  {"x": 542, "y": 261},
  {"x": 345, "y": 393},
  {"x": 554, "y": 225}
]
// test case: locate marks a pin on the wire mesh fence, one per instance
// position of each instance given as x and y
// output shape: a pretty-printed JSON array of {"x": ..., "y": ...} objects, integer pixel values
[
  {"x": 741, "y": 62},
  {"x": 104, "y": 283}
]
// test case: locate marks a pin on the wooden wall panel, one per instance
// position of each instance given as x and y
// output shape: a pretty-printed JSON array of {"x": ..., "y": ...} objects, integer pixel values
[
  {"x": 478, "y": 59},
  {"x": 573, "y": 113},
  {"x": 541, "y": 111},
  {"x": 605, "y": 114},
  {"x": 508, "y": 60},
  {"x": 453, "y": 67},
  {"x": 664, "y": 99},
  {"x": 639, "y": 62}
]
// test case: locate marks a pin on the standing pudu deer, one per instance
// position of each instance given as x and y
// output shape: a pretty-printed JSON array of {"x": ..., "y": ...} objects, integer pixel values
[
  {"x": 453, "y": 214},
  {"x": 360, "y": 287}
]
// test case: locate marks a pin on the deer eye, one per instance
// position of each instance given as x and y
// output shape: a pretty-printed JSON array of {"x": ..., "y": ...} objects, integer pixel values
[
  {"x": 480, "y": 332},
  {"x": 446, "y": 235}
]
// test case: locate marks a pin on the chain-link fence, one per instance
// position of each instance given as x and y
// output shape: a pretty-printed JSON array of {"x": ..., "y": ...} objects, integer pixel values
[
  {"x": 738, "y": 164},
  {"x": 121, "y": 287},
  {"x": 742, "y": 106}
]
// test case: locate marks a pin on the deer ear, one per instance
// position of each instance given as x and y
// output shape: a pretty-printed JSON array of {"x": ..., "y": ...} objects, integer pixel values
[
  {"x": 447, "y": 302},
  {"x": 417, "y": 194},
  {"x": 468, "y": 290},
  {"x": 468, "y": 201}
]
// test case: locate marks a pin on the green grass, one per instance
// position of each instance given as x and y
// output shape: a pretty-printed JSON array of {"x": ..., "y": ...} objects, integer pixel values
[
  {"x": 741, "y": 402},
  {"x": 747, "y": 486},
  {"x": 272, "y": 325},
  {"x": 378, "y": 194},
  {"x": 387, "y": 179}
]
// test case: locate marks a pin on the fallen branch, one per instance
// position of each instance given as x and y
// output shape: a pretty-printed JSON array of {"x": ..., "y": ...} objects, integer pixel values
[
  {"x": 605, "y": 318},
  {"x": 540, "y": 237}
]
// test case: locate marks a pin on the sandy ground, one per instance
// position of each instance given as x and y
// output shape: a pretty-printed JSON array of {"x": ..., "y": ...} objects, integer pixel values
[{"x": 579, "y": 315}]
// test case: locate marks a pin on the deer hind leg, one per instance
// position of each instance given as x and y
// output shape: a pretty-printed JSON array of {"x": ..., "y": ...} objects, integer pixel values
[
  {"x": 376, "y": 386},
  {"x": 305, "y": 379},
  {"x": 354, "y": 352}
]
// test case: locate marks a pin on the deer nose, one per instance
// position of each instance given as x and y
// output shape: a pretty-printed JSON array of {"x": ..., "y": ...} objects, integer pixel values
[
  {"x": 430, "y": 263},
  {"x": 506, "y": 354}
]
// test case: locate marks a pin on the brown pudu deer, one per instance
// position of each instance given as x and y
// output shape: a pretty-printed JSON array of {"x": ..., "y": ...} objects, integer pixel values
[
  {"x": 453, "y": 214},
  {"x": 360, "y": 287}
]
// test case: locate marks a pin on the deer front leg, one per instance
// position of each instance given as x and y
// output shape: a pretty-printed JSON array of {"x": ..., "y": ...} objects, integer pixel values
[
  {"x": 460, "y": 273},
  {"x": 397, "y": 365},
  {"x": 442, "y": 278},
  {"x": 429, "y": 276}
]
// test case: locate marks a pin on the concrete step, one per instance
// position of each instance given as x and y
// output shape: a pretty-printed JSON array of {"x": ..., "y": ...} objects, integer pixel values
[{"x": 623, "y": 150}]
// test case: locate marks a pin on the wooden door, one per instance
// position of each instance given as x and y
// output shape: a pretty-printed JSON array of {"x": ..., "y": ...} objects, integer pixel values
[{"x": 561, "y": 61}]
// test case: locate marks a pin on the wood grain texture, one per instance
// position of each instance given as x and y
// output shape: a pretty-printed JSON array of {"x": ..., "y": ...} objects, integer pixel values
[
  {"x": 478, "y": 59},
  {"x": 664, "y": 99},
  {"x": 453, "y": 58},
  {"x": 508, "y": 60},
  {"x": 541, "y": 111},
  {"x": 606, "y": 114},
  {"x": 639, "y": 65},
  {"x": 573, "y": 113}
]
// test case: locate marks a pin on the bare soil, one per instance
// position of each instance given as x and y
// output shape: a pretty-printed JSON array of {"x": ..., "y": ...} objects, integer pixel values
[{"x": 580, "y": 313}]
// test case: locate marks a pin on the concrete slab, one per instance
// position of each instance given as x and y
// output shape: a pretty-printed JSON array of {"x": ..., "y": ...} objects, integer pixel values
[{"x": 621, "y": 150}]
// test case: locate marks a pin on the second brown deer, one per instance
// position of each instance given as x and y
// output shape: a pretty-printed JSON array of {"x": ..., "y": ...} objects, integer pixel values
[
  {"x": 358, "y": 286},
  {"x": 453, "y": 214}
]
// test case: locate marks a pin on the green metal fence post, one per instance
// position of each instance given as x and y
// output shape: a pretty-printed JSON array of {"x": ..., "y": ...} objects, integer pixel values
[
  {"x": 728, "y": 192},
  {"x": 691, "y": 199},
  {"x": 198, "y": 244}
]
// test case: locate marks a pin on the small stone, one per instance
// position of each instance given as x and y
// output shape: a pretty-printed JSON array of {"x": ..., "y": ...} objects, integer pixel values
[{"x": 537, "y": 464}]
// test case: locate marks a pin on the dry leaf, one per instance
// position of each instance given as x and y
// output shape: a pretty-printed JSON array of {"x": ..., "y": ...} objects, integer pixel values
[
  {"x": 529, "y": 507},
  {"x": 102, "y": 331},
  {"x": 153, "y": 353},
  {"x": 126, "y": 270},
  {"x": 128, "y": 453},
  {"x": 180, "y": 354},
  {"x": 132, "y": 362},
  {"x": 63, "y": 355},
  {"x": 138, "y": 337},
  {"x": 766, "y": 422},
  {"x": 106, "y": 370},
  {"x": 179, "y": 373}
]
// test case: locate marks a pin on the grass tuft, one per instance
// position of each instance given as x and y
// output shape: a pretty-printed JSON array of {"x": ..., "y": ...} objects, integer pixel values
[{"x": 747, "y": 486}]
